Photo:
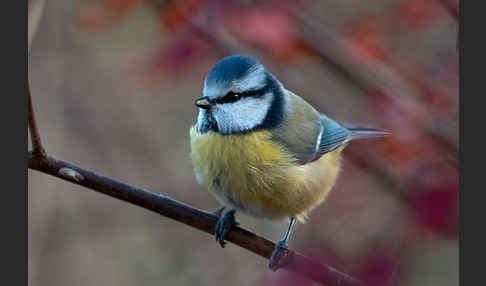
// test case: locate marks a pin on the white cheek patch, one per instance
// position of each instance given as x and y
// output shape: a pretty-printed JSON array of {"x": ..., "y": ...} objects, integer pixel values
[{"x": 242, "y": 115}]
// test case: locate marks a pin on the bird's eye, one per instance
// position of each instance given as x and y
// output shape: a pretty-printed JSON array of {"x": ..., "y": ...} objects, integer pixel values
[{"x": 230, "y": 97}]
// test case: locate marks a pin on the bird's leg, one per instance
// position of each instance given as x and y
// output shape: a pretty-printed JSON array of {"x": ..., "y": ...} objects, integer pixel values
[
  {"x": 280, "y": 252},
  {"x": 223, "y": 226}
]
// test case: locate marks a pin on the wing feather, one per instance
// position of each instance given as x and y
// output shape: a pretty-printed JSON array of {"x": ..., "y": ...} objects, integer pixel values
[{"x": 308, "y": 134}]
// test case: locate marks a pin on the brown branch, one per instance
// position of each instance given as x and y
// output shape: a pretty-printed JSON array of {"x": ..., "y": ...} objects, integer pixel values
[
  {"x": 183, "y": 213},
  {"x": 34, "y": 131}
]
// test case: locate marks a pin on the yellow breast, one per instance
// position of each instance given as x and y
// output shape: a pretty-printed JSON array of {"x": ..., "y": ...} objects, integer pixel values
[{"x": 253, "y": 174}]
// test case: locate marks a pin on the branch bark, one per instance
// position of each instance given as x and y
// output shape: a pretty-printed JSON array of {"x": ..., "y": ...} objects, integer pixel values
[{"x": 188, "y": 215}]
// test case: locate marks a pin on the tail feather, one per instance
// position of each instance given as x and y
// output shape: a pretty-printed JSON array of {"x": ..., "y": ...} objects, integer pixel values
[{"x": 363, "y": 133}]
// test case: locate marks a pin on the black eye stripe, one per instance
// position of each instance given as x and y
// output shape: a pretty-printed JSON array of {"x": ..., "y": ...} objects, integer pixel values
[
  {"x": 232, "y": 97},
  {"x": 229, "y": 97}
]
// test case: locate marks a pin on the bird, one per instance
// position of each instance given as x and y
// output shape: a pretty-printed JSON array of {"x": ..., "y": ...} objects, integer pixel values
[{"x": 262, "y": 150}]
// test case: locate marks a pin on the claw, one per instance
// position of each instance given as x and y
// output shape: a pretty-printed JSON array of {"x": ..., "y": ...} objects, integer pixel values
[
  {"x": 280, "y": 256},
  {"x": 223, "y": 226}
]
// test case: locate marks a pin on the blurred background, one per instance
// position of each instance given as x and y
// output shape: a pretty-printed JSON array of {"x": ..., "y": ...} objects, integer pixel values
[{"x": 113, "y": 84}]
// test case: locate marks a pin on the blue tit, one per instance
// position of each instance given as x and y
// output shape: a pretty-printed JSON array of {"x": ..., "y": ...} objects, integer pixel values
[{"x": 263, "y": 150}]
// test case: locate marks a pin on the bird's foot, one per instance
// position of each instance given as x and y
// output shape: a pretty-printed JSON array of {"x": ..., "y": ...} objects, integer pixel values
[
  {"x": 280, "y": 256},
  {"x": 223, "y": 226}
]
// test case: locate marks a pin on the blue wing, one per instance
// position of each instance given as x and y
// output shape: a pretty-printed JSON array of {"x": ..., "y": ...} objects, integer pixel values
[
  {"x": 333, "y": 135},
  {"x": 308, "y": 134}
]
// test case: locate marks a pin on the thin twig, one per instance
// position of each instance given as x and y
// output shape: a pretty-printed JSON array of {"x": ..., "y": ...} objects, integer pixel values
[
  {"x": 34, "y": 131},
  {"x": 183, "y": 213}
]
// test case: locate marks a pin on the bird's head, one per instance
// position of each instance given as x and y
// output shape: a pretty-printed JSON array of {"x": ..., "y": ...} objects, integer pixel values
[{"x": 239, "y": 96}]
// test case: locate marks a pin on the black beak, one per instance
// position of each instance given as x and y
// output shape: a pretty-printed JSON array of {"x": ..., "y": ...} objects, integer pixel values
[{"x": 203, "y": 103}]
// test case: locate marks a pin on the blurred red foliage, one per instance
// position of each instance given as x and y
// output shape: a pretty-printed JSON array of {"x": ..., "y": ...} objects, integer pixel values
[
  {"x": 415, "y": 15},
  {"x": 366, "y": 38},
  {"x": 177, "y": 14},
  {"x": 380, "y": 267},
  {"x": 98, "y": 16},
  {"x": 436, "y": 208},
  {"x": 270, "y": 29},
  {"x": 178, "y": 56}
]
